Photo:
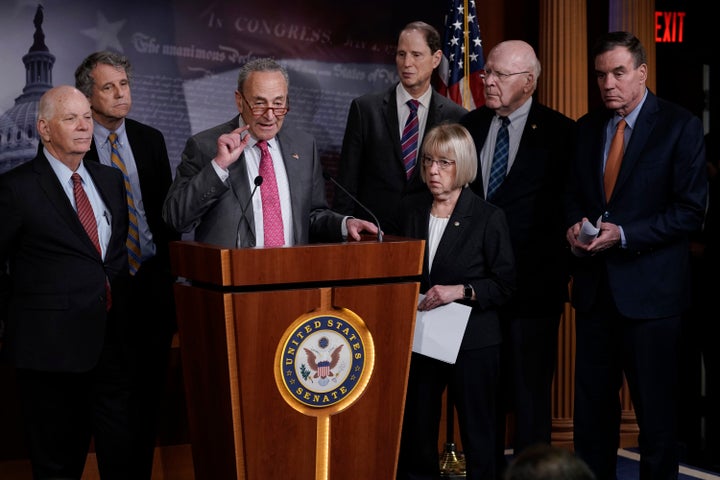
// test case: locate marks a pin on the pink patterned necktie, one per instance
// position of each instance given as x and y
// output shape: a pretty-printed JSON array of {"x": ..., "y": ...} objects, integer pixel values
[
  {"x": 87, "y": 218},
  {"x": 272, "y": 213}
]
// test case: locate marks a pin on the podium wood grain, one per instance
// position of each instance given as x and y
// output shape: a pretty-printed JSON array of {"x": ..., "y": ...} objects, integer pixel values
[{"x": 233, "y": 315}]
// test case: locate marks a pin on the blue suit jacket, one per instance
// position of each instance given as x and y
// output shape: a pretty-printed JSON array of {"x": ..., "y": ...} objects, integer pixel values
[
  {"x": 659, "y": 200},
  {"x": 56, "y": 316},
  {"x": 199, "y": 200}
]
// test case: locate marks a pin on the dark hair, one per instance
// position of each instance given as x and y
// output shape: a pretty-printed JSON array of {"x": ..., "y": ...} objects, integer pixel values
[
  {"x": 547, "y": 462},
  {"x": 610, "y": 40},
  {"x": 83, "y": 77},
  {"x": 260, "y": 65},
  {"x": 432, "y": 37}
]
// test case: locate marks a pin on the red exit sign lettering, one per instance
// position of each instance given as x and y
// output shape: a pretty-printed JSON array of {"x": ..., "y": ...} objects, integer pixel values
[{"x": 669, "y": 27}]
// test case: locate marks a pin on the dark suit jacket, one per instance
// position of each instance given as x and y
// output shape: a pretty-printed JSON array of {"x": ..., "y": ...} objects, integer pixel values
[
  {"x": 199, "y": 200},
  {"x": 475, "y": 249},
  {"x": 56, "y": 306},
  {"x": 659, "y": 200},
  {"x": 151, "y": 157},
  {"x": 532, "y": 198},
  {"x": 371, "y": 165}
]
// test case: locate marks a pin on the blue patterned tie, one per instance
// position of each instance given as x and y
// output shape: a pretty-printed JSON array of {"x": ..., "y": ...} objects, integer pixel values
[
  {"x": 500, "y": 159},
  {"x": 409, "y": 140}
]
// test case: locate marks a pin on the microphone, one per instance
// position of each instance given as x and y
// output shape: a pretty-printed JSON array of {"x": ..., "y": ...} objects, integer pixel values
[
  {"x": 354, "y": 199},
  {"x": 258, "y": 181}
]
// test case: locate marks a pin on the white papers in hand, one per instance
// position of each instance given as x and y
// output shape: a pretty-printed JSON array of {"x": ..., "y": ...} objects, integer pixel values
[
  {"x": 439, "y": 332},
  {"x": 588, "y": 233}
]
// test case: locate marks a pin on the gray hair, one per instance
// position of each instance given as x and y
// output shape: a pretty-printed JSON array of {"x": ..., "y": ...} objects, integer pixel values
[{"x": 83, "y": 74}]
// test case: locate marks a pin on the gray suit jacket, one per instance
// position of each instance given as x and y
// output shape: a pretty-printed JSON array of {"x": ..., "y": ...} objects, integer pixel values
[{"x": 198, "y": 200}]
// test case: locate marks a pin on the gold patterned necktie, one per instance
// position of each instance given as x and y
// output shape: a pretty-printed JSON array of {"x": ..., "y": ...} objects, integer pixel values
[{"x": 133, "y": 240}]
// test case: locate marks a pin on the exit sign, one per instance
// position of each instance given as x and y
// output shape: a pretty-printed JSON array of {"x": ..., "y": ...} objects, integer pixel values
[{"x": 669, "y": 27}]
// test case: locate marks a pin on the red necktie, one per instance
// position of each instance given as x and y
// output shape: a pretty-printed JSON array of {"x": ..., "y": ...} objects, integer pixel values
[
  {"x": 272, "y": 214},
  {"x": 614, "y": 159},
  {"x": 87, "y": 218}
]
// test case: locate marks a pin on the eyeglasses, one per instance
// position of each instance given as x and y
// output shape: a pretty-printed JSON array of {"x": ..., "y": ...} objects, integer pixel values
[
  {"x": 499, "y": 75},
  {"x": 259, "y": 110},
  {"x": 442, "y": 163}
]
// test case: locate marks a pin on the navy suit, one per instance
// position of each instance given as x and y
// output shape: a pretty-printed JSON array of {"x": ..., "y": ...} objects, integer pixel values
[
  {"x": 152, "y": 323},
  {"x": 371, "y": 163},
  {"x": 199, "y": 200},
  {"x": 69, "y": 351},
  {"x": 532, "y": 198},
  {"x": 629, "y": 301},
  {"x": 475, "y": 249}
]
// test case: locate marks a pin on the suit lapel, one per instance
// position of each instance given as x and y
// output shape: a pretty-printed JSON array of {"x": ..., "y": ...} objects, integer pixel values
[
  {"x": 643, "y": 127},
  {"x": 58, "y": 199},
  {"x": 455, "y": 228}
]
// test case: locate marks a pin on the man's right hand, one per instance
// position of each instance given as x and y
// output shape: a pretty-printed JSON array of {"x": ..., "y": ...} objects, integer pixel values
[{"x": 230, "y": 146}]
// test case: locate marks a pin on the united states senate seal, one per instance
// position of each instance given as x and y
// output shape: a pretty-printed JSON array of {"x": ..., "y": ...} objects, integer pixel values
[{"x": 324, "y": 360}]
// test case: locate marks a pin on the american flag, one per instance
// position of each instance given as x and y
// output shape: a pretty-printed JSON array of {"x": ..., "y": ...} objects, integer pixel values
[{"x": 463, "y": 60}]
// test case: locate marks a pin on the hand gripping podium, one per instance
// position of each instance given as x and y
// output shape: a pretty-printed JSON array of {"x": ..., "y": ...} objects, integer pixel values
[{"x": 295, "y": 359}]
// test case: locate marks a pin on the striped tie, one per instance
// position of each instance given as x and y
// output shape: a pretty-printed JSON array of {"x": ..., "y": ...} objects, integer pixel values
[
  {"x": 87, "y": 218},
  {"x": 500, "y": 159},
  {"x": 409, "y": 140},
  {"x": 133, "y": 240}
]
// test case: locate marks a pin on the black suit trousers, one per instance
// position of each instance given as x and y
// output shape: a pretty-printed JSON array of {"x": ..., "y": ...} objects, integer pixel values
[{"x": 63, "y": 411}]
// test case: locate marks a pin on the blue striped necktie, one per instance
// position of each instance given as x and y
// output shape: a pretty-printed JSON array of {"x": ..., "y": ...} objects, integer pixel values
[
  {"x": 133, "y": 240},
  {"x": 409, "y": 140},
  {"x": 500, "y": 159}
]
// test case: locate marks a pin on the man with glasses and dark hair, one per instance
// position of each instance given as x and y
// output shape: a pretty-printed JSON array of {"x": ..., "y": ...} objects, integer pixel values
[
  {"x": 275, "y": 194},
  {"x": 527, "y": 182}
]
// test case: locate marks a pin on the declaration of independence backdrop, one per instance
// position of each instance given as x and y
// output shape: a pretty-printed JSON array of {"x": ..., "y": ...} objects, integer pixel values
[{"x": 186, "y": 54}]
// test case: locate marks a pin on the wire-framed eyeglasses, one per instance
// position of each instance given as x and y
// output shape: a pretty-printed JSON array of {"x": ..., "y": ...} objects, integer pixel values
[
  {"x": 259, "y": 110},
  {"x": 443, "y": 163},
  {"x": 499, "y": 75}
]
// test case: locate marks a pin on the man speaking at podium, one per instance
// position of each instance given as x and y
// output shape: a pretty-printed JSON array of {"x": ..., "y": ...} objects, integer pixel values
[{"x": 217, "y": 196}]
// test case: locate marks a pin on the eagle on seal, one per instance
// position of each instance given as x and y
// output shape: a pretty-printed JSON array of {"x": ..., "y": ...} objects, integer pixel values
[{"x": 323, "y": 368}]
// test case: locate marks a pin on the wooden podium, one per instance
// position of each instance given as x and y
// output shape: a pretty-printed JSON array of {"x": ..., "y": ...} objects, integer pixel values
[{"x": 242, "y": 312}]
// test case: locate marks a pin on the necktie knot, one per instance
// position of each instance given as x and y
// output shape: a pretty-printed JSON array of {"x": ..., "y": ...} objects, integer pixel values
[
  {"x": 621, "y": 126},
  {"x": 112, "y": 138},
  {"x": 505, "y": 121},
  {"x": 263, "y": 146},
  {"x": 413, "y": 105},
  {"x": 76, "y": 178}
]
